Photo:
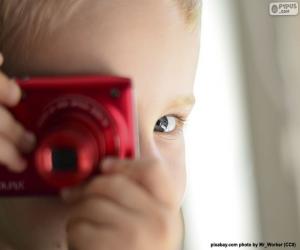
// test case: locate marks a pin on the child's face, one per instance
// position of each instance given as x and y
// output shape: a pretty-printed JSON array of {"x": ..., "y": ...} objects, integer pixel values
[{"x": 144, "y": 40}]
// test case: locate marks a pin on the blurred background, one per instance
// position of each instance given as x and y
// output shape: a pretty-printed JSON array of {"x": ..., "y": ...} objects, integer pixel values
[{"x": 243, "y": 137}]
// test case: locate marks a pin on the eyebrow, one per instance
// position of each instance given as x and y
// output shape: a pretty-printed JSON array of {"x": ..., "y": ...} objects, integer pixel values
[{"x": 182, "y": 101}]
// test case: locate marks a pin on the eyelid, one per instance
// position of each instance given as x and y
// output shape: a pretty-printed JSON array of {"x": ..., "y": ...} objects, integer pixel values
[
  {"x": 183, "y": 119},
  {"x": 180, "y": 118}
]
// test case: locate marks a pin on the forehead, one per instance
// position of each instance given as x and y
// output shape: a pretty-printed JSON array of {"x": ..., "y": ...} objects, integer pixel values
[{"x": 145, "y": 40}]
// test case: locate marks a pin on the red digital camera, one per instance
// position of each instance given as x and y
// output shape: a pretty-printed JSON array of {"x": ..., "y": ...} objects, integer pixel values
[{"x": 77, "y": 122}]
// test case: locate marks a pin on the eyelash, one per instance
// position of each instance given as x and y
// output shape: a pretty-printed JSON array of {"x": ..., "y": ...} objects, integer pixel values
[{"x": 180, "y": 123}]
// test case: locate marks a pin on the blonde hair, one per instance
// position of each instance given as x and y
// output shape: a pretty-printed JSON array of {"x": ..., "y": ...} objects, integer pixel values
[{"x": 38, "y": 17}]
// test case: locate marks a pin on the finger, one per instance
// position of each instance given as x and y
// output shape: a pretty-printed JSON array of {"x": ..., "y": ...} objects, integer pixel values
[
  {"x": 1, "y": 59},
  {"x": 100, "y": 211},
  {"x": 3, "y": 244},
  {"x": 151, "y": 174},
  {"x": 14, "y": 132},
  {"x": 82, "y": 235},
  {"x": 10, "y": 157},
  {"x": 118, "y": 189},
  {"x": 10, "y": 92}
]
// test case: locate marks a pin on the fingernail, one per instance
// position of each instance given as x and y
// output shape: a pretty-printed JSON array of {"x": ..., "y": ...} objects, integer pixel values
[
  {"x": 1, "y": 58},
  {"x": 15, "y": 92},
  {"x": 65, "y": 193},
  {"x": 107, "y": 164},
  {"x": 27, "y": 142},
  {"x": 29, "y": 138},
  {"x": 21, "y": 166}
]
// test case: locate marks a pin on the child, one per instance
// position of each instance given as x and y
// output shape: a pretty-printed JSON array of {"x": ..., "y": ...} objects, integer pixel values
[{"x": 135, "y": 204}]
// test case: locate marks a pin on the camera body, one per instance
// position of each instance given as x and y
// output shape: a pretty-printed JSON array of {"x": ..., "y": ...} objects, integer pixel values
[{"x": 77, "y": 121}]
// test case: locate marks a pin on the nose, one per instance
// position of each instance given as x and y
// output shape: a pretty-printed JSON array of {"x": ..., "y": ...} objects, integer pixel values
[{"x": 147, "y": 146}]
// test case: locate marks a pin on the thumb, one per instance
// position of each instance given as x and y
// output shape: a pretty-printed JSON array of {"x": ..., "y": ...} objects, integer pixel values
[{"x": 150, "y": 174}]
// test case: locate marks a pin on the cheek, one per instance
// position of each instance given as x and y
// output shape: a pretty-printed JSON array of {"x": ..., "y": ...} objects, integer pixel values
[{"x": 173, "y": 152}]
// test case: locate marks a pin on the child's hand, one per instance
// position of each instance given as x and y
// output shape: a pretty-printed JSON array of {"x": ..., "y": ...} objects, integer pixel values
[
  {"x": 13, "y": 137},
  {"x": 132, "y": 206}
]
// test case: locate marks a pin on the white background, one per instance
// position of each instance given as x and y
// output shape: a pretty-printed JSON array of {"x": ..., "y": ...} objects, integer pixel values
[{"x": 220, "y": 199}]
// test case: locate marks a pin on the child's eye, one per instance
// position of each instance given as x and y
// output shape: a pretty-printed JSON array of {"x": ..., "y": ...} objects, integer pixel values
[{"x": 169, "y": 124}]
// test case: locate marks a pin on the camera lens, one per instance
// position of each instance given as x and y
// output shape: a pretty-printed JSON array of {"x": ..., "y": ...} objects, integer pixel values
[
  {"x": 75, "y": 134},
  {"x": 64, "y": 159}
]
